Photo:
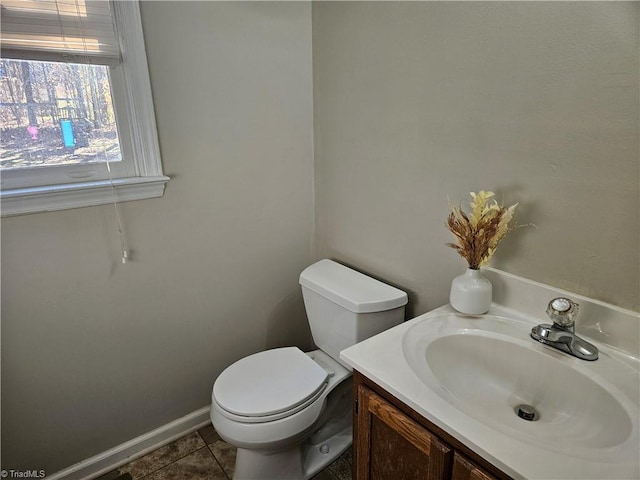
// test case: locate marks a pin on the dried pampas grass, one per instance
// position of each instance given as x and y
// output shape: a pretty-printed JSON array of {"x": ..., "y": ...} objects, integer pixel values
[{"x": 477, "y": 235}]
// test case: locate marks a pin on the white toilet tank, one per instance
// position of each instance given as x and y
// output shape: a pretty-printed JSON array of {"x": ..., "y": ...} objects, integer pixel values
[{"x": 345, "y": 307}]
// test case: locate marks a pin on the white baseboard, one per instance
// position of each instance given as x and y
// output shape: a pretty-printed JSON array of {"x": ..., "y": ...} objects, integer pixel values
[{"x": 124, "y": 453}]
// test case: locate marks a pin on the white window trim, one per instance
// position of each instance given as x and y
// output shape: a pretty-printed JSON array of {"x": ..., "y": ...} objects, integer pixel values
[{"x": 149, "y": 181}]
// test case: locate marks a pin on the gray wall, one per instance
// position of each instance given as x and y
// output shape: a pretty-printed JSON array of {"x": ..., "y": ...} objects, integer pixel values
[
  {"x": 95, "y": 353},
  {"x": 418, "y": 102}
]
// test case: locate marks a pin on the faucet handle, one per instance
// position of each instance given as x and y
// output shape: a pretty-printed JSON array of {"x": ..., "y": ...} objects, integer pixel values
[{"x": 563, "y": 312}]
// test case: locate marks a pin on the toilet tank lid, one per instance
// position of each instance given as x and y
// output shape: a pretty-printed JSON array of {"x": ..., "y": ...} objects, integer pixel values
[{"x": 352, "y": 290}]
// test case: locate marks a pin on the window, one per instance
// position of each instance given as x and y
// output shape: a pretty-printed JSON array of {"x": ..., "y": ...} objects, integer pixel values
[
  {"x": 76, "y": 112},
  {"x": 58, "y": 115}
]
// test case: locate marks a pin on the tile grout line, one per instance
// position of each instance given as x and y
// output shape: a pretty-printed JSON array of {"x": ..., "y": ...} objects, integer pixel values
[
  {"x": 214, "y": 456},
  {"x": 175, "y": 461},
  {"x": 218, "y": 462},
  {"x": 168, "y": 464}
]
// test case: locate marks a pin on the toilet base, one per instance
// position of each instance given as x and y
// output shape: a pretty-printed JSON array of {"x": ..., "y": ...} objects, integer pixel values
[{"x": 301, "y": 462}]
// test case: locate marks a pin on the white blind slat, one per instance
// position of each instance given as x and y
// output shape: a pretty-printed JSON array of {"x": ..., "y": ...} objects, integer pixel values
[{"x": 58, "y": 30}]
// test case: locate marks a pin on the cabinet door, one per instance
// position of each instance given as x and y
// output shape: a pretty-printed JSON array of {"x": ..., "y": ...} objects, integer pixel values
[
  {"x": 464, "y": 469},
  {"x": 392, "y": 446}
]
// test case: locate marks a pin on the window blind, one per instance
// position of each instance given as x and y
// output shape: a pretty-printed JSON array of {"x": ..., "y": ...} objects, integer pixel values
[{"x": 76, "y": 31}]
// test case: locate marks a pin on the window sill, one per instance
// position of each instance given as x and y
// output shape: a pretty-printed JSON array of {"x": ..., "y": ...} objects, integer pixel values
[{"x": 50, "y": 198}]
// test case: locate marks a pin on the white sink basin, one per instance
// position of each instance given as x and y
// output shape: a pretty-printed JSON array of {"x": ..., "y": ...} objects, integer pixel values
[
  {"x": 468, "y": 374},
  {"x": 488, "y": 366}
]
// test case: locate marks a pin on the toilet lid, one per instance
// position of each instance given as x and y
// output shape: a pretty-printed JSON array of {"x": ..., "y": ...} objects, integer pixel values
[{"x": 269, "y": 382}]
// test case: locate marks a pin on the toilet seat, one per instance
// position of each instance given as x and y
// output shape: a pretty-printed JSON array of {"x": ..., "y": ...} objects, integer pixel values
[
  {"x": 269, "y": 385},
  {"x": 271, "y": 432}
]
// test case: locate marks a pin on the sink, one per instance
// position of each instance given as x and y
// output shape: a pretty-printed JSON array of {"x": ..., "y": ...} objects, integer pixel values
[
  {"x": 486, "y": 367},
  {"x": 467, "y": 376}
]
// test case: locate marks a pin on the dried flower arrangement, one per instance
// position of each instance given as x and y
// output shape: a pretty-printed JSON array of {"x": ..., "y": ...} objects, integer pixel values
[{"x": 478, "y": 234}]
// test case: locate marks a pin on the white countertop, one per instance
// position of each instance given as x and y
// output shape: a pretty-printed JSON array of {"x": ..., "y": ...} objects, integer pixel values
[{"x": 382, "y": 359}]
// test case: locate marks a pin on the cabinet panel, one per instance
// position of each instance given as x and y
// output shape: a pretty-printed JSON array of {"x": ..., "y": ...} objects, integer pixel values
[
  {"x": 394, "y": 442},
  {"x": 464, "y": 469},
  {"x": 392, "y": 446}
]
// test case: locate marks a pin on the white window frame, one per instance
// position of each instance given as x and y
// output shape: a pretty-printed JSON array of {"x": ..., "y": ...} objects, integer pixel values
[{"x": 133, "y": 102}]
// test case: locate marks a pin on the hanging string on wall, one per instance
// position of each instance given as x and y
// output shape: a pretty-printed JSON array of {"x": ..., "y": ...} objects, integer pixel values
[{"x": 123, "y": 238}]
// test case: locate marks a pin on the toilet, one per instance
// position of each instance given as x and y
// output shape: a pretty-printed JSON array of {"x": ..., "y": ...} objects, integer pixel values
[{"x": 289, "y": 412}]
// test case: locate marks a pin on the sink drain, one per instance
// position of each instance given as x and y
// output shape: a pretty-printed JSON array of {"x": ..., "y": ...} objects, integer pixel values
[{"x": 527, "y": 412}]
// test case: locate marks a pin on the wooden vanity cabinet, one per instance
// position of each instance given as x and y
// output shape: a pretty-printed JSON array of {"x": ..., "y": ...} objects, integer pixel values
[
  {"x": 464, "y": 469},
  {"x": 390, "y": 445},
  {"x": 393, "y": 442}
]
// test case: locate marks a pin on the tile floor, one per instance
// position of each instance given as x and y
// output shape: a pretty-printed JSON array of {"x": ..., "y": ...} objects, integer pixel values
[{"x": 203, "y": 455}]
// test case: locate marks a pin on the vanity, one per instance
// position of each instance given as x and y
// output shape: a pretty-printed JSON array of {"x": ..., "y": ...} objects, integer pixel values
[
  {"x": 452, "y": 396},
  {"x": 393, "y": 441}
]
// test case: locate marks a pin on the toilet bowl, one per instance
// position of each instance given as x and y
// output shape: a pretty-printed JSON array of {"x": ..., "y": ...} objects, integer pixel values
[
  {"x": 289, "y": 412},
  {"x": 269, "y": 439}
]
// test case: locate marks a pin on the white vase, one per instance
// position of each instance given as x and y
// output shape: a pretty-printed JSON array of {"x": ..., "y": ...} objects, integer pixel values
[{"x": 471, "y": 293}]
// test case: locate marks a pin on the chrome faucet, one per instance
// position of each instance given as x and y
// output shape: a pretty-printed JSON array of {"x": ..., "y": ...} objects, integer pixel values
[{"x": 561, "y": 335}]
